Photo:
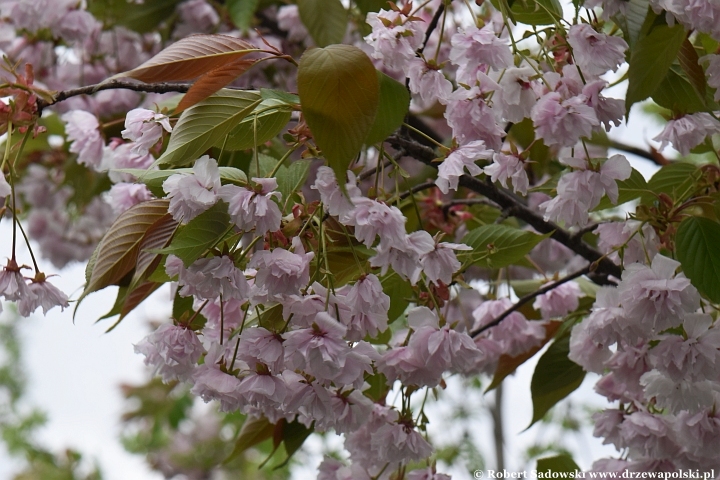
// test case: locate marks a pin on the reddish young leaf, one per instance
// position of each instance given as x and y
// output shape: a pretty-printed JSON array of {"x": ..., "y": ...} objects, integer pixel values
[
  {"x": 213, "y": 81},
  {"x": 157, "y": 236},
  {"x": 190, "y": 58}
]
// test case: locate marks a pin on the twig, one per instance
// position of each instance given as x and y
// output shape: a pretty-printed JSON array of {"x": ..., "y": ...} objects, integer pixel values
[
  {"x": 115, "y": 84},
  {"x": 431, "y": 26},
  {"x": 417, "y": 188},
  {"x": 515, "y": 208},
  {"x": 523, "y": 300}
]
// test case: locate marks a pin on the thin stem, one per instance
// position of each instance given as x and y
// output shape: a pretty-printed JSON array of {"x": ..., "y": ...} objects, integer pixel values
[
  {"x": 440, "y": 145},
  {"x": 523, "y": 300}
]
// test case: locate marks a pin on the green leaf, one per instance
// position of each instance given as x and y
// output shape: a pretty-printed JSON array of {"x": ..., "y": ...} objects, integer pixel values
[
  {"x": 697, "y": 250},
  {"x": 139, "y": 17},
  {"x": 497, "y": 246},
  {"x": 339, "y": 93},
  {"x": 650, "y": 61},
  {"x": 392, "y": 108},
  {"x": 201, "y": 233},
  {"x": 555, "y": 377},
  {"x": 533, "y": 12},
  {"x": 265, "y": 122},
  {"x": 558, "y": 463},
  {"x": 677, "y": 93},
  {"x": 285, "y": 97},
  {"x": 378, "y": 389},
  {"x": 206, "y": 124},
  {"x": 294, "y": 435},
  {"x": 118, "y": 250},
  {"x": 291, "y": 179},
  {"x": 326, "y": 20},
  {"x": 400, "y": 292},
  {"x": 242, "y": 12},
  {"x": 367, "y": 6},
  {"x": 156, "y": 237},
  {"x": 629, "y": 189},
  {"x": 154, "y": 178},
  {"x": 688, "y": 58},
  {"x": 632, "y": 22},
  {"x": 676, "y": 180},
  {"x": 253, "y": 431}
]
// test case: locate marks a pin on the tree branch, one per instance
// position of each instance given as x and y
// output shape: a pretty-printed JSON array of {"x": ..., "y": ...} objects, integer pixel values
[
  {"x": 514, "y": 207},
  {"x": 523, "y": 300},
  {"x": 115, "y": 84},
  {"x": 431, "y": 26}
]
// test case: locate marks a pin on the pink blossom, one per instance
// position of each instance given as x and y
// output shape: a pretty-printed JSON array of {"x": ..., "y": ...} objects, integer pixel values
[
  {"x": 288, "y": 19},
  {"x": 609, "y": 111},
  {"x": 394, "y": 38},
  {"x": 211, "y": 383},
  {"x": 253, "y": 208},
  {"x": 700, "y": 432},
  {"x": 226, "y": 313},
  {"x": 331, "y": 469},
  {"x": 262, "y": 390},
  {"x": 350, "y": 411},
  {"x": 607, "y": 426},
  {"x": 440, "y": 264},
  {"x": 476, "y": 47},
  {"x": 119, "y": 155},
  {"x": 400, "y": 442},
  {"x": 198, "y": 16},
  {"x": 563, "y": 122},
  {"x": 559, "y": 301},
  {"x": 124, "y": 195},
  {"x": 82, "y": 130},
  {"x": 688, "y": 131},
  {"x": 639, "y": 241},
  {"x": 368, "y": 308},
  {"x": 428, "y": 473},
  {"x": 595, "y": 52},
  {"x": 505, "y": 167},
  {"x": 192, "y": 194},
  {"x": 76, "y": 25},
  {"x": 428, "y": 81},
  {"x": 12, "y": 283},
  {"x": 144, "y": 128},
  {"x": 654, "y": 298},
  {"x": 41, "y": 294},
  {"x": 281, "y": 272},
  {"x": 173, "y": 352},
  {"x": 516, "y": 97},
  {"x": 372, "y": 218},
  {"x": 471, "y": 118},
  {"x": 405, "y": 257},
  {"x": 334, "y": 201},
  {"x": 515, "y": 333},
  {"x": 212, "y": 277},
  {"x": 261, "y": 346},
  {"x": 648, "y": 435},
  {"x": 679, "y": 394},
  {"x": 460, "y": 159},
  {"x": 320, "y": 350}
]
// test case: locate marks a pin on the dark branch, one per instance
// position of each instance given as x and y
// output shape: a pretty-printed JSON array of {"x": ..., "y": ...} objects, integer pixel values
[
  {"x": 432, "y": 26},
  {"x": 514, "y": 207},
  {"x": 115, "y": 84},
  {"x": 522, "y": 301}
]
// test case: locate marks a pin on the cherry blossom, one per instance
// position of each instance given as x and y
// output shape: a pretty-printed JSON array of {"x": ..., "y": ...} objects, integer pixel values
[
  {"x": 595, "y": 52},
  {"x": 688, "y": 131},
  {"x": 460, "y": 159},
  {"x": 144, "y": 128},
  {"x": 190, "y": 195}
]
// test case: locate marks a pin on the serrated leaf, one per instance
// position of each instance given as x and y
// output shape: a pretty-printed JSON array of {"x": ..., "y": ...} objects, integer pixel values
[
  {"x": 253, "y": 431},
  {"x": 339, "y": 92},
  {"x": 205, "y": 124},
  {"x": 633, "y": 187},
  {"x": 676, "y": 180},
  {"x": 201, "y": 233},
  {"x": 392, "y": 107},
  {"x": 555, "y": 377},
  {"x": 265, "y": 122},
  {"x": 697, "y": 250},
  {"x": 285, "y": 97},
  {"x": 138, "y": 17},
  {"x": 688, "y": 58},
  {"x": 154, "y": 178},
  {"x": 189, "y": 58},
  {"x": 533, "y": 12},
  {"x": 631, "y": 23},
  {"x": 325, "y": 20},
  {"x": 242, "y": 12},
  {"x": 507, "y": 364},
  {"x": 291, "y": 179},
  {"x": 650, "y": 61},
  {"x": 156, "y": 237},
  {"x": 497, "y": 246},
  {"x": 118, "y": 250},
  {"x": 676, "y": 93},
  {"x": 558, "y": 463},
  {"x": 213, "y": 81},
  {"x": 400, "y": 291}
]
